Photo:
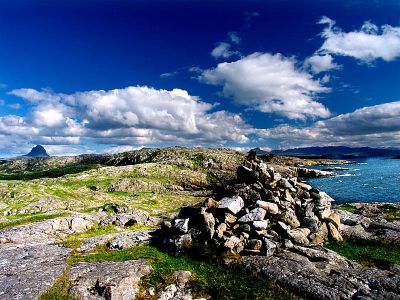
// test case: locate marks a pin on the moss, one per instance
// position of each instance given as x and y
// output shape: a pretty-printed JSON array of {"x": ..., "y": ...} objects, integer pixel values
[
  {"x": 30, "y": 219},
  {"x": 368, "y": 254},
  {"x": 209, "y": 277}
]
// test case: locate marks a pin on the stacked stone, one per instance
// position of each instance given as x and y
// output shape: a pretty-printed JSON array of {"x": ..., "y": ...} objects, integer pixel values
[{"x": 258, "y": 214}]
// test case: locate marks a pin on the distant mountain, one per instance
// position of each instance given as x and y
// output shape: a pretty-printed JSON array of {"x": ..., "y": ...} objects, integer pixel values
[
  {"x": 260, "y": 151},
  {"x": 339, "y": 152},
  {"x": 37, "y": 151}
]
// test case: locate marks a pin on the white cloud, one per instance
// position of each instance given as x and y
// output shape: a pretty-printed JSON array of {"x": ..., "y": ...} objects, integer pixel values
[
  {"x": 195, "y": 69},
  {"x": 168, "y": 74},
  {"x": 367, "y": 44},
  {"x": 223, "y": 50},
  {"x": 234, "y": 37},
  {"x": 129, "y": 116},
  {"x": 320, "y": 63},
  {"x": 122, "y": 148},
  {"x": 375, "y": 126},
  {"x": 269, "y": 83},
  {"x": 14, "y": 106},
  {"x": 67, "y": 150}
]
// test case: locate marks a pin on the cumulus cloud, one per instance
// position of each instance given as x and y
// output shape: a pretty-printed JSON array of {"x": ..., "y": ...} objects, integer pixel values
[
  {"x": 129, "y": 116},
  {"x": 376, "y": 126},
  {"x": 269, "y": 83},
  {"x": 223, "y": 50},
  {"x": 320, "y": 63},
  {"x": 367, "y": 44}
]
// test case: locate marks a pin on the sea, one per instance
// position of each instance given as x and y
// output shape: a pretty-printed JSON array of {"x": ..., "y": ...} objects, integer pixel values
[{"x": 369, "y": 180}]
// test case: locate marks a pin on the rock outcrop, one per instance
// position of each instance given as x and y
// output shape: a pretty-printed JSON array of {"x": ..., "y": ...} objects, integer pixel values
[
  {"x": 107, "y": 280},
  {"x": 323, "y": 274},
  {"x": 27, "y": 271},
  {"x": 313, "y": 173},
  {"x": 369, "y": 223}
]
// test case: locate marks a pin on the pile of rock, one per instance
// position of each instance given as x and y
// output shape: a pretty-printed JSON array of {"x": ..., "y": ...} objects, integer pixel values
[{"x": 258, "y": 213}]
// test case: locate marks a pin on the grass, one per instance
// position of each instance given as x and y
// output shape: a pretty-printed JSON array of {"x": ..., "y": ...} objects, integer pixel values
[
  {"x": 60, "y": 289},
  {"x": 368, "y": 254},
  {"x": 209, "y": 277},
  {"x": 347, "y": 207},
  {"x": 132, "y": 194},
  {"x": 52, "y": 173},
  {"x": 31, "y": 219},
  {"x": 75, "y": 240}
]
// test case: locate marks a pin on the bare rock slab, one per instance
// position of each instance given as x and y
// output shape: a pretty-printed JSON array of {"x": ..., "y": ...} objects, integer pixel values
[
  {"x": 107, "y": 280},
  {"x": 27, "y": 271},
  {"x": 118, "y": 240}
]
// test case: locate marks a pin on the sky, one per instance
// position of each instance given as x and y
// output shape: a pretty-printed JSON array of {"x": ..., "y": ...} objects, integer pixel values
[{"x": 111, "y": 76}]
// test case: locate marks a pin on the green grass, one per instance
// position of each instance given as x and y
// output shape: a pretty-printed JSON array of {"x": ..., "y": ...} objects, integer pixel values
[
  {"x": 347, "y": 207},
  {"x": 59, "y": 291},
  {"x": 374, "y": 255},
  {"x": 132, "y": 194},
  {"x": 75, "y": 240},
  {"x": 209, "y": 277},
  {"x": 30, "y": 219},
  {"x": 52, "y": 173}
]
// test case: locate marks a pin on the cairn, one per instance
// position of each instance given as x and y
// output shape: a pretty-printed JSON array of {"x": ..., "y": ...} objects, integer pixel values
[{"x": 259, "y": 213}]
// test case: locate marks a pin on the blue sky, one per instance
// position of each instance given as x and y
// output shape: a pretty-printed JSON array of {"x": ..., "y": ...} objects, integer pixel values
[{"x": 106, "y": 76}]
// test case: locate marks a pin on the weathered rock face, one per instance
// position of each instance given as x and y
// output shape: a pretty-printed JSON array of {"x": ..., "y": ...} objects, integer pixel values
[
  {"x": 48, "y": 231},
  {"x": 259, "y": 213},
  {"x": 312, "y": 173},
  {"x": 368, "y": 223},
  {"x": 107, "y": 280},
  {"x": 27, "y": 271},
  {"x": 323, "y": 274},
  {"x": 117, "y": 241}
]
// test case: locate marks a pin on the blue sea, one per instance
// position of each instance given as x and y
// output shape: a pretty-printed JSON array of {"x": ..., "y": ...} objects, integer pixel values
[{"x": 371, "y": 180}]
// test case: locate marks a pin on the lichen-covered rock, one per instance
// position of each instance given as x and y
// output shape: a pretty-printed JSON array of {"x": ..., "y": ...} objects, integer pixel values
[
  {"x": 269, "y": 207},
  {"x": 256, "y": 214},
  {"x": 232, "y": 204},
  {"x": 27, "y": 271},
  {"x": 107, "y": 280}
]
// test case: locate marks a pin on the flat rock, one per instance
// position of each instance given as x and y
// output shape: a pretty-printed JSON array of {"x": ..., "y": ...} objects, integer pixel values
[
  {"x": 270, "y": 208},
  {"x": 232, "y": 204},
  {"x": 27, "y": 271},
  {"x": 107, "y": 280},
  {"x": 256, "y": 214},
  {"x": 323, "y": 274},
  {"x": 48, "y": 231},
  {"x": 118, "y": 240}
]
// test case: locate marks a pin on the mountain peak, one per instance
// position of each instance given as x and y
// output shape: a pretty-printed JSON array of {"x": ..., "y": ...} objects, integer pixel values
[{"x": 37, "y": 151}]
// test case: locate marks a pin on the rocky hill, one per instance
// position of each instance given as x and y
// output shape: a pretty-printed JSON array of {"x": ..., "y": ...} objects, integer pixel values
[
  {"x": 182, "y": 223},
  {"x": 37, "y": 151}
]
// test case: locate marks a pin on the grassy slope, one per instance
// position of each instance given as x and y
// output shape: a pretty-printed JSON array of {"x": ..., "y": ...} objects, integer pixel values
[{"x": 164, "y": 180}]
